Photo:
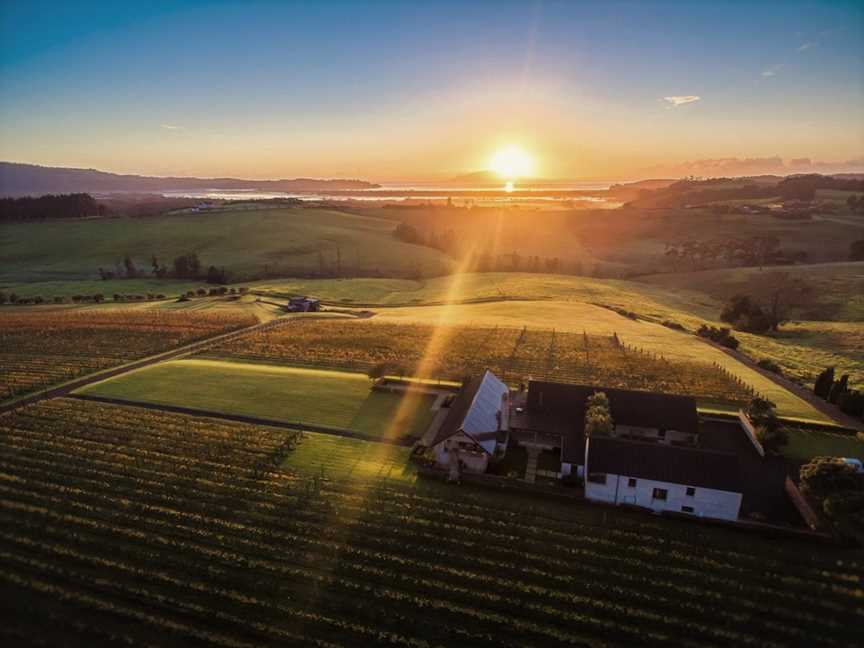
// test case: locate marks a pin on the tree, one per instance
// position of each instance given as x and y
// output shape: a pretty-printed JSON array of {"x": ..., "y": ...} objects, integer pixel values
[
  {"x": 129, "y": 267},
  {"x": 824, "y": 383},
  {"x": 778, "y": 293},
  {"x": 187, "y": 266},
  {"x": 824, "y": 476},
  {"x": 838, "y": 388},
  {"x": 598, "y": 418},
  {"x": 769, "y": 432}
]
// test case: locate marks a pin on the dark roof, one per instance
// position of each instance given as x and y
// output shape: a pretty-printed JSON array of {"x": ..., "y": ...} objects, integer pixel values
[
  {"x": 559, "y": 408},
  {"x": 668, "y": 463},
  {"x": 628, "y": 407}
]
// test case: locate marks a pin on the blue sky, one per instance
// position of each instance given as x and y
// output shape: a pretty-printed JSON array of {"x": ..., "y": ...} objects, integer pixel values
[{"x": 410, "y": 89}]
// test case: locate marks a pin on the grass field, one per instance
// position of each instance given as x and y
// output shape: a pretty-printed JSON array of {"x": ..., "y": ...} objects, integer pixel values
[
  {"x": 278, "y": 241},
  {"x": 579, "y": 317},
  {"x": 44, "y": 346},
  {"x": 332, "y": 398},
  {"x": 124, "y": 525},
  {"x": 839, "y": 287},
  {"x": 805, "y": 444},
  {"x": 340, "y": 457}
]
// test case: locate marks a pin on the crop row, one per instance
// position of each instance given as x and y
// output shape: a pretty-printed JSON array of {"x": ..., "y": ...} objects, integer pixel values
[
  {"x": 451, "y": 352},
  {"x": 123, "y": 512},
  {"x": 43, "y": 348}
]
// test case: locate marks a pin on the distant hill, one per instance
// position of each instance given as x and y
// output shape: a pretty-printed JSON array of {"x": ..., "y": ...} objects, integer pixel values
[{"x": 30, "y": 179}]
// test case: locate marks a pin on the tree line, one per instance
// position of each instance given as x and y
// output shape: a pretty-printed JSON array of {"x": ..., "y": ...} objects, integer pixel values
[
  {"x": 50, "y": 207},
  {"x": 838, "y": 392},
  {"x": 184, "y": 266}
]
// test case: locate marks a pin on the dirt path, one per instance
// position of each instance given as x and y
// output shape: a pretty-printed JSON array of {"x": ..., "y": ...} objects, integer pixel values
[
  {"x": 66, "y": 388},
  {"x": 240, "y": 418},
  {"x": 826, "y": 408}
]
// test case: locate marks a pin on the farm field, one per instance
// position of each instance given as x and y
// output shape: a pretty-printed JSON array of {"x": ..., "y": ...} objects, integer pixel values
[
  {"x": 653, "y": 303},
  {"x": 331, "y": 398},
  {"x": 839, "y": 287},
  {"x": 803, "y": 349},
  {"x": 122, "y": 524},
  {"x": 340, "y": 457},
  {"x": 451, "y": 352},
  {"x": 577, "y": 317},
  {"x": 269, "y": 241},
  {"x": 805, "y": 444},
  {"x": 42, "y": 346}
]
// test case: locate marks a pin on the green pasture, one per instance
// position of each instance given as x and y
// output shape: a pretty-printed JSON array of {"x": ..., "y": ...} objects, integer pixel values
[
  {"x": 340, "y": 457},
  {"x": 805, "y": 444},
  {"x": 253, "y": 242},
  {"x": 330, "y": 398}
]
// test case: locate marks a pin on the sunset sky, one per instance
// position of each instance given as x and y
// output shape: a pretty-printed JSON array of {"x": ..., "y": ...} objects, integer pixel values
[{"x": 411, "y": 90}]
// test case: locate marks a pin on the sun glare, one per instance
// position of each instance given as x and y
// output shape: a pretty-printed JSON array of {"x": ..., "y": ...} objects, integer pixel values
[{"x": 511, "y": 163}]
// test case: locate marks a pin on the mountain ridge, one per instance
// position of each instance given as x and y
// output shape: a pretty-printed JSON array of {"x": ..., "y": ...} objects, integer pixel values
[{"x": 19, "y": 179}]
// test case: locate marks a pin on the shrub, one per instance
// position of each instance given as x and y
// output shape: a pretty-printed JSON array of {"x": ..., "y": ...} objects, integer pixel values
[
  {"x": 673, "y": 325},
  {"x": 770, "y": 365},
  {"x": 722, "y": 336},
  {"x": 824, "y": 383},
  {"x": 824, "y": 476}
]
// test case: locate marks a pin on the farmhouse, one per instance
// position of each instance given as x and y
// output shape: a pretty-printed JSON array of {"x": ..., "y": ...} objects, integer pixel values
[
  {"x": 475, "y": 428},
  {"x": 551, "y": 416},
  {"x": 663, "y": 477}
]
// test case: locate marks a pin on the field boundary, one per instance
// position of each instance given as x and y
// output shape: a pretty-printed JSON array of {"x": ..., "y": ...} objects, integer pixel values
[
  {"x": 65, "y": 388},
  {"x": 840, "y": 418},
  {"x": 241, "y": 418}
]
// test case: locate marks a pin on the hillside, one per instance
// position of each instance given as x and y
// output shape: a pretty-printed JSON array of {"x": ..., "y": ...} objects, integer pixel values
[
  {"x": 251, "y": 243},
  {"x": 838, "y": 287},
  {"x": 23, "y": 179}
]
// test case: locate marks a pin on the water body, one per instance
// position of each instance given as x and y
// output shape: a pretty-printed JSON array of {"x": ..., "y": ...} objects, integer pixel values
[{"x": 395, "y": 192}]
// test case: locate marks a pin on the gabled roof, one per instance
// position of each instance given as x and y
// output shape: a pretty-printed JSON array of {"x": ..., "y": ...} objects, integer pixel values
[
  {"x": 475, "y": 411},
  {"x": 628, "y": 407},
  {"x": 667, "y": 463}
]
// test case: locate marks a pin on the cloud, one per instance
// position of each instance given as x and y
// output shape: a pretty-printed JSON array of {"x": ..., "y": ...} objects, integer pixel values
[
  {"x": 680, "y": 100},
  {"x": 733, "y": 166},
  {"x": 773, "y": 70},
  {"x": 171, "y": 127},
  {"x": 804, "y": 46}
]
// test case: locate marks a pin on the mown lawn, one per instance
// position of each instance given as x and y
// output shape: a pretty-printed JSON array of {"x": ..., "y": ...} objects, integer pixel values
[
  {"x": 331, "y": 398},
  {"x": 338, "y": 457},
  {"x": 806, "y": 444}
]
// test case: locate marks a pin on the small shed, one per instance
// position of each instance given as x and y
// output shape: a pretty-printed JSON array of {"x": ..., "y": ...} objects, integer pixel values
[{"x": 303, "y": 305}]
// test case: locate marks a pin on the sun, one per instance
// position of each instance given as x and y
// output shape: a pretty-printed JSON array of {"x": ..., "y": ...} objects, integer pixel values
[{"x": 511, "y": 163}]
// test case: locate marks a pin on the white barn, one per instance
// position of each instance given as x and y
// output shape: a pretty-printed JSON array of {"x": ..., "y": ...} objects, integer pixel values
[
  {"x": 475, "y": 429},
  {"x": 663, "y": 477}
]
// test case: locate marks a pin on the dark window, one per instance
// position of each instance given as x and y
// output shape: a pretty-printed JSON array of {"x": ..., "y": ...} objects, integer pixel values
[
  {"x": 687, "y": 509},
  {"x": 691, "y": 491},
  {"x": 661, "y": 434},
  {"x": 660, "y": 494},
  {"x": 631, "y": 483},
  {"x": 597, "y": 478}
]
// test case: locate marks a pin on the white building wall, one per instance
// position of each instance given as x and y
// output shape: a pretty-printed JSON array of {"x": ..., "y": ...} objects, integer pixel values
[
  {"x": 569, "y": 469},
  {"x": 706, "y": 502},
  {"x": 474, "y": 460}
]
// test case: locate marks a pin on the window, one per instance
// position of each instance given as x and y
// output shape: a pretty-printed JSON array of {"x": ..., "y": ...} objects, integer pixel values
[
  {"x": 686, "y": 509},
  {"x": 661, "y": 434},
  {"x": 660, "y": 494},
  {"x": 631, "y": 483},
  {"x": 691, "y": 491},
  {"x": 597, "y": 478}
]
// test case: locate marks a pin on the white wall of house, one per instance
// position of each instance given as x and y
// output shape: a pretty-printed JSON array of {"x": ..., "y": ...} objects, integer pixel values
[
  {"x": 474, "y": 457},
  {"x": 704, "y": 502}
]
